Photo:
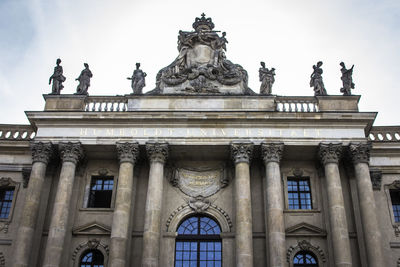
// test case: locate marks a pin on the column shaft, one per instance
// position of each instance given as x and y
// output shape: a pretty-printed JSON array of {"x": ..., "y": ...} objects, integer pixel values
[
  {"x": 152, "y": 225},
  {"x": 26, "y": 230},
  {"x": 241, "y": 154},
  {"x": 71, "y": 152},
  {"x": 127, "y": 154}
]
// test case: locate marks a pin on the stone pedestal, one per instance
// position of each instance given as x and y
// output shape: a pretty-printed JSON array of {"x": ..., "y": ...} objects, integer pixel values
[
  {"x": 372, "y": 236},
  {"x": 241, "y": 155},
  {"x": 272, "y": 154},
  {"x": 127, "y": 155},
  {"x": 157, "y": 154},
  {"x": 71, "y": 153},
  {"x": 330, "y": 155},
  {"x": 41, "y": 153}
]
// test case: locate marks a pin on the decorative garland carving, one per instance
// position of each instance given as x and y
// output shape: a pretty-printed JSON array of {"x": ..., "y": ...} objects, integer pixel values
[
  {"x": 376, "y": 179},
  {"x": 26, "y": 173},
  {"x": 307, "y": 246},
  {"x": 199, "y": 204},
  {"x": 90, "y": 244}
]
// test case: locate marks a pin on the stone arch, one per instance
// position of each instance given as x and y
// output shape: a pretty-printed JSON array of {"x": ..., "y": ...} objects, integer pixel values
[
  {"x": 90, "y": 244},
  {"x": 304, "y": 245},
  {"x": 184, "y": 211}
]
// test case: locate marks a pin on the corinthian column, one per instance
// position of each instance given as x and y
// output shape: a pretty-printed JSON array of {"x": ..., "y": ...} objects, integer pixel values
[
  {"x": 127, "y": 155},
  {"x": 241, "y": 154},
  {"x": 272, "y": 154},
  {"x": 157, "y": 154},
  {"x": 372, "y": 236},
  {"x": 330, "y": 155},
  {"x": 71, "y": 153},
  {"x": 41, "y": 154}
]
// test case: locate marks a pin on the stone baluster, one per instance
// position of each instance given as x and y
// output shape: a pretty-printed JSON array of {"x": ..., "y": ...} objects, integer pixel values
[
  {"x": 272, "y": 154},
  {"x": 360, "y": 156},
  {"x": 41, "y": 154},
  {"x": 127, "y": 155},
  {"x": 71, "y": 153},
  {"x": 330, "y": 155},
  {"x": 157, "y": 154},
  {"x": 241, "y": 154}
]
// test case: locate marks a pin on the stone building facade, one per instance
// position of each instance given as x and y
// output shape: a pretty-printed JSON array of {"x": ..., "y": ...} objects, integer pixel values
[{"x": 200, "y": 172}]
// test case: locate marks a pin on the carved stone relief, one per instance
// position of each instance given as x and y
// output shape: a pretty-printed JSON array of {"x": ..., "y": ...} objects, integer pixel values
[
  {"x": 307, "y": 246},
  {"x": 90, "y": 244}
]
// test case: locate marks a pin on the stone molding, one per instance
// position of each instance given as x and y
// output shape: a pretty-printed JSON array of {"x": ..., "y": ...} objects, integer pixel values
[
  {"x": 360, "y": 152},
  {"x": 272, "y": 152},
  {"x": 305, "y": 245},
  {"x": 157, "y": 152},
  {"x": 26, "y": 174},
  {"x": 71, "y": 152},
  {"x": 376, "y": 178},
  {"x": 242, "y": 152},
  {"x": 41, "y": 152},
  {"x": 329, "y": 152},
  {"x": 127, "y": 152},
  {"x": 90, "y": 244}
]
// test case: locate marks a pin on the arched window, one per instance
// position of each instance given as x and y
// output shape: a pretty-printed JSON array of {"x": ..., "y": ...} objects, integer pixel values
[
  {"x": 198, "y": 243},
  {"x": 305, "y": 259},
  {"x": 92, "y": 258}
]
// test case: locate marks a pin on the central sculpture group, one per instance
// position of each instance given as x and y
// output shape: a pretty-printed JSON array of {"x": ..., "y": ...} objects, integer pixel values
[{"x": 202, "y": 68}]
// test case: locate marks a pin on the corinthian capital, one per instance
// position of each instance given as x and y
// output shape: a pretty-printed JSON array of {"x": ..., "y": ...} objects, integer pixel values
[
  {"x": 272, "y": 152},
  {"x": 359, "y": 152},
  {"x": 42, "y": 152},
  {"x": 330, "y": 153},
  {"x": 71, "y": 152},
  {"x": 157, "y": 152},
  {"x": 241, "y": 152},
  {"x": 128, "y": 152}
]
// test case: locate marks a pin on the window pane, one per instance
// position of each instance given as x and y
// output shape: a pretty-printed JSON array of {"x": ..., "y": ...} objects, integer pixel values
[
  {"x": 299, "y": 193},
  {"x": 101, "y": 192},
  {"x": 6, "y": 197}
]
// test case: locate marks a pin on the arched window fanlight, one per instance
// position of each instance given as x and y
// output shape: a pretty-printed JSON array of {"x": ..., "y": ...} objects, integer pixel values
[
  {"x": 198, "y": 243},
  {"x": 305, "y": 259},
  {"x": 92, "y": 258}
]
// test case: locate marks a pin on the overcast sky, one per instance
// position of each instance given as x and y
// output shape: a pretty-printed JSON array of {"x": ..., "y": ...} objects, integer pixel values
[{"x": 289, "y": 35}]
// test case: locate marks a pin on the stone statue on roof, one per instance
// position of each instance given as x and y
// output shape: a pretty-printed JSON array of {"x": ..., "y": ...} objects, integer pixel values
[
  {"x": 347, "y": 79},
  {"x": 57, "y": 78},
  {"x": 201, "y": 66},
  {"x": 267, "y": 79},
  {"x": 84, "y": 81},
  {"x": 138, "y": 80},
  {"x": 316, "y": 80}
]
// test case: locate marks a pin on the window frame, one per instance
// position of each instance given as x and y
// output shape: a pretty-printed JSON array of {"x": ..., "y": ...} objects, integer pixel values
[
  {"x": 92, "y": 192},
  {"x": 394, "y": 186},
  {"x": 7, "y": 182},
  {"x": 87, "y": 251},
  {"x": 299, "y": 192},
  {"x": 304, "y": 253},
  {"x": 91, "y": 173}
]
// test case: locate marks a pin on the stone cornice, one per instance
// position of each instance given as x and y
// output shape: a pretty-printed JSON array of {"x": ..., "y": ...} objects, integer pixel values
[
  {"x": 360, "y": 152},
  {"x": 71, "y": 152},
  {"x": 272, "y": 152},
  {"x": 242, "y": 152},
  {"x": 42, "y": 151},
  {"x": 329, "y": 152},
  {"x": 157, "y": 152},
  {"x": 127, "y": 152}
]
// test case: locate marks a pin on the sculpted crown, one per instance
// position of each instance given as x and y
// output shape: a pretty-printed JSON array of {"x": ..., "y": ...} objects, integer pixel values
[
  {"x": 330, "y": 153},
  {"x": 41, "y": 152},
  {"x": 241, "y": 152},
  {"x": 272, "y": 152},
  {"x": 203, "y": 23},
  {"x": 359, "y": 152},
  {"x": 71, "y": 152},
  {"x": 157, "y": 151},
  {"x": 127, "y": 152}
]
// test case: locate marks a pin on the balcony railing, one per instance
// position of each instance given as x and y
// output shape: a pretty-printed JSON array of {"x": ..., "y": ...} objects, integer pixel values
[
  {"x": 106, "y": 103},
  {"x": 385, "y": 134},
  {"x": 16, "y": 132},
  {"x": 296, "y": 104}
]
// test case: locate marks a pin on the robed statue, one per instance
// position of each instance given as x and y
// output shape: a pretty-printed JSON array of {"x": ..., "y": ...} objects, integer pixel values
[
  {"x": 138, "y": 80},
  {"x": 84, "y": 81},
  {"x": 347, "y": 79},
  {"x": 57, "y": 78},
  {"x": 267, "y": 79},
  {"x": 316, "y": 80}
]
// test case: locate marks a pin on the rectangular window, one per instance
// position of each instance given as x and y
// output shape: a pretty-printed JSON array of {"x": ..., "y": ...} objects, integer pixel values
[
  {"x": 395, "y": 197},
  {"x": 299, "y": 193},
  {"x": 101, "y": 188},
  {"x": 6, "y": 197}
]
